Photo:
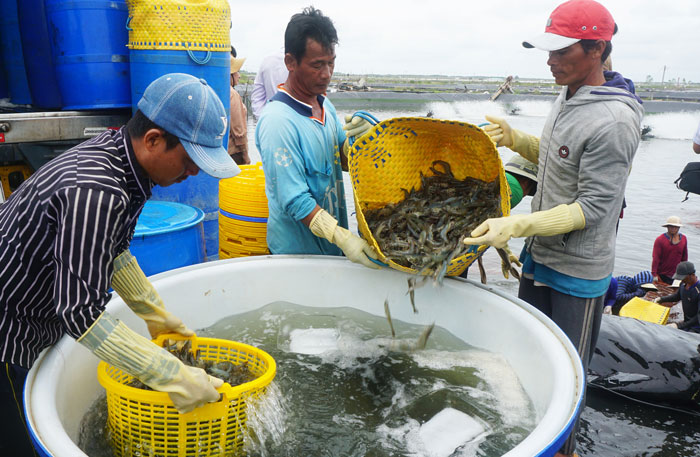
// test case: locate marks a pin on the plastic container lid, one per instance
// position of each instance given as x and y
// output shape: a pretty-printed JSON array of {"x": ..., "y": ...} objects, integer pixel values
[{"x": 160, "y": 217}]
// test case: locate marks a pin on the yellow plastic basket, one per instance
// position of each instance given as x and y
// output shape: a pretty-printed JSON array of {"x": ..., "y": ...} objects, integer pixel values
[
  {"x": 394, "y": 153},
  {"x": 645, "y": 310},
  {"x": 195, "y": 25},
  {"x": 143, "y": 422}
]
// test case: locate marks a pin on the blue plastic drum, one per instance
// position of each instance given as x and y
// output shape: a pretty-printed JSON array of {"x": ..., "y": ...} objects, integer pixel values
[
  {"x": 36, "y": 47},
  {"x": 201, "y": 191},
  {"x": 168, "y": 235},
  {"x": 88, "y": 44},
  {"x": 13, "y": 59}
]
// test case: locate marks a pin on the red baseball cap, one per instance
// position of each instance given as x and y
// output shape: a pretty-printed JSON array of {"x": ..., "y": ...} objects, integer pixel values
[{"x": 574, "y": 21}]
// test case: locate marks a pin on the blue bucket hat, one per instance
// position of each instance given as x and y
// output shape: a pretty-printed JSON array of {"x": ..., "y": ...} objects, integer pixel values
[{"x": 188, "y": 108}]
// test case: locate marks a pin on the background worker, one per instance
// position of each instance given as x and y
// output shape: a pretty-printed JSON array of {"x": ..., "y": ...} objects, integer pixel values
[
  {"x": 300, "y": 139},
  {"x": 272, "y": 73},
  {"x": 689, "y": 294},
  {"x": 670, "y": 249},
  {"x": 64, "y": 239},
  {"x": 696, "y": 141},
  {"x": 585, "y": 153},
  {"x": 238, "y": 131},
  {"x": 626, "y": 288}
]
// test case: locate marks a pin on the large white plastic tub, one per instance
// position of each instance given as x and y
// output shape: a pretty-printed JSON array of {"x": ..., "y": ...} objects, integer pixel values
[{"x": 63, "y": 384}]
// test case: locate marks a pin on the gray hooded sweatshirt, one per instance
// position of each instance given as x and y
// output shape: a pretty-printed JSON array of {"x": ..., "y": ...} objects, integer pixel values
[{"x": 586, "y": 151}]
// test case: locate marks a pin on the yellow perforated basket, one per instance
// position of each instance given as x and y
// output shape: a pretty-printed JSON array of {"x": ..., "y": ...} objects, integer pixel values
[
  {"x": 394, "y": 153},
  {"x": 195, "y": 25},
  {"x": 143, "y": 423}
]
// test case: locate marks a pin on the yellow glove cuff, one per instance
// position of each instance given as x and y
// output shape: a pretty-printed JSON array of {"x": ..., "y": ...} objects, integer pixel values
[
  {"x": 526, "y": 145},
  {"x": 323, "y": 225},
  {"x": 112, "y": 341},
  {"x": 131, "y": 284},
  {"x": 555, "y": 221}
]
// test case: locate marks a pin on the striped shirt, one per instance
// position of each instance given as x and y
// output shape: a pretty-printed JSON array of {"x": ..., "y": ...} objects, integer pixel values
[{"x": 59, "y": 233}]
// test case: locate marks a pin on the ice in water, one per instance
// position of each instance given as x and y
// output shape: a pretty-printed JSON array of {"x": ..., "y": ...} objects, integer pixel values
[
  {"x": 313, "y": 340},
  {"x": 448, "y": 430}
]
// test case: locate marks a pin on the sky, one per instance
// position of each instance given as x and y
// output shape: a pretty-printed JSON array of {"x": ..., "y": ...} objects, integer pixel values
[{"x": 473, "y": 38}]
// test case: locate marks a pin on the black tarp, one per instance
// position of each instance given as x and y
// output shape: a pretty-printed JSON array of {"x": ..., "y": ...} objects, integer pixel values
[{"x": 647, "y": 361}]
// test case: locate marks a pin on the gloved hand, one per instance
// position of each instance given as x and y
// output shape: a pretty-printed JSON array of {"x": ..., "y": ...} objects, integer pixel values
[
  {"x": 512, "y": 260},
  {"x": 672, "y": 325},
  {"x": 560, "y": 219},
  {"x": 136, "y": 290},
  {"x": 656, "y": 279},
  {"x": 323, "y": 225},
  {"x": 115, "y": 343},
  {"x": 657, "y": 300},
  {"x": 502, "y": 134},
  {"x": 607, "y": 310},
  {"x": 356, "y": 126}
]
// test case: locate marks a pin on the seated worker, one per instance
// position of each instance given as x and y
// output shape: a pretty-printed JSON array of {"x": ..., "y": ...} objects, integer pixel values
[
  {"x": 689, "y": 293},
  {"x": 521, "y": 175},
  {"x": 625, "y": 289},
  {"x": 64, "y": 242}
]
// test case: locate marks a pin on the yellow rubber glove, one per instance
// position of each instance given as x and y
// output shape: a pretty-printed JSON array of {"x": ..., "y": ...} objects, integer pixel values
[
  {"x": 506, "y": 265},
  {"x": 323, "y": 225},
  {"x": 136, "y": 290},
  {"x": 115, "y": 343},
  {"x": 356, "y": 126},
  {"x": 502, "y": 134},
  {"x": 560, "y": 219}
]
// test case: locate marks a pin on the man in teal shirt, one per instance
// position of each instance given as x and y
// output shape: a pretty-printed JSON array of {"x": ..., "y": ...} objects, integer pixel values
[{"x": 301, "y": 141}]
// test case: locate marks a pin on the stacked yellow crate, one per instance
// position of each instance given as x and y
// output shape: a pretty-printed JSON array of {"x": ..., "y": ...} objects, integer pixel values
[{"x": 243, "y": 214}]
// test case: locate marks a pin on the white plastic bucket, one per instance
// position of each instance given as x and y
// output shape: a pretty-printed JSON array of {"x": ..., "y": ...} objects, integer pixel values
[{"x": 62, "y": 384}]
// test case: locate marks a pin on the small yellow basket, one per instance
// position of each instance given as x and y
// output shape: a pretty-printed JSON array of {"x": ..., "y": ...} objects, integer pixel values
[
  {"x": 143, "y": 422},
  {"x": 394, "y": 153},
  {"x": 645, "y": 310}
]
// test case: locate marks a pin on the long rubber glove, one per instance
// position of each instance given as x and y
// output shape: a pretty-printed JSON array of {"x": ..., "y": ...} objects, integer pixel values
[
  {"x": 512, "y": 259},
  {"x": 356, "y": 126},
  {"x": 560, "y": 219},
  {"x": 136, "y": 290},
  {"x": 115, "y": 343},
  {"x": 323, "y": 225},
  {"x": 503, "y": 134}
]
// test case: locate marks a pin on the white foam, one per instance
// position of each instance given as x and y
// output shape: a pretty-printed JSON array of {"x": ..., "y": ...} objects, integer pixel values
[
  {"x": 313, "y": 340},
  {"x": 448, "y": 430}
]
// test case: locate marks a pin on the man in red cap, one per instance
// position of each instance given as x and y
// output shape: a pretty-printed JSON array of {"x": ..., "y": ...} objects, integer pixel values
[{"x": 584, "y": 154}]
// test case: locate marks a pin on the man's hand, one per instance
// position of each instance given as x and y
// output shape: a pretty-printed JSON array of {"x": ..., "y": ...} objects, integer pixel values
[
  {"x": 499, "y": 131},
  {"x": 356, "y": 126},
  {"x": 672, "y": 325}
]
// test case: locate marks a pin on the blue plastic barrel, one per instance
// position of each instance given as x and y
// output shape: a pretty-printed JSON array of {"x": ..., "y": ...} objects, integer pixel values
[
  {"x": 13, "y": 59},
  {"x": 168, "y": 235},
  {"x": 3, "y": 78},
  {"x": 88, "y": 44},
  {"x": 36, "y": 47},
  {"x": 202, "y": 190}
]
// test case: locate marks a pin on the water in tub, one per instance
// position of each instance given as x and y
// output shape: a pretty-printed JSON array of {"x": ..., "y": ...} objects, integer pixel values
[{"x": 341, "y": 391}]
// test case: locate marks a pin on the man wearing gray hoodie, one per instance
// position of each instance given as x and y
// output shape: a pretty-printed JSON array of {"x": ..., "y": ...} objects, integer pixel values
[{"x": 584, "y": 154}]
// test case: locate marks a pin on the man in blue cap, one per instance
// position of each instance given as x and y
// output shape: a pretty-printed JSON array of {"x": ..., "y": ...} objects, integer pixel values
[
  {"x": 689, "y": 294},
  {"x": 64, "y": 239}
]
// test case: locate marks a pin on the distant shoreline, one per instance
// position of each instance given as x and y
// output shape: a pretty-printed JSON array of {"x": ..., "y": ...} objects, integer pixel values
[{"x": 672, "y": 102}]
